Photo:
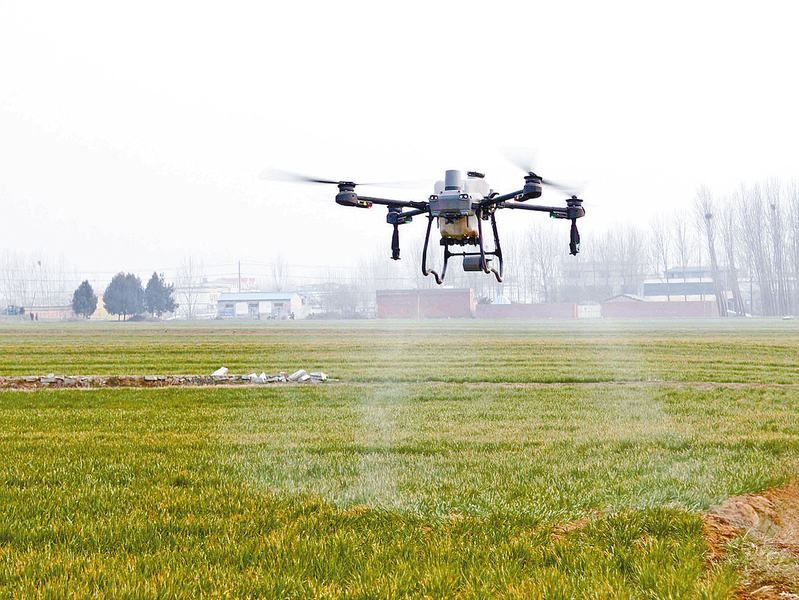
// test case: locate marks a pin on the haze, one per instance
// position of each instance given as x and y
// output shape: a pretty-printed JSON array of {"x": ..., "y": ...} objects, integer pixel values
[{"x": 133, "y": 136}]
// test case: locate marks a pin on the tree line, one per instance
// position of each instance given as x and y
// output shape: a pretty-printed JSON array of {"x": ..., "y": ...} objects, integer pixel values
[
  {"x": 126, "y": 297},
  {"x": 748, "y": 241},
  {"x": 746, "y": 244}
]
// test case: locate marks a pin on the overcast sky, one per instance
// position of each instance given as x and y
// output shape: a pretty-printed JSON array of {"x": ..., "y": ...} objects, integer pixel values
[{"x": 132, "y": 135}]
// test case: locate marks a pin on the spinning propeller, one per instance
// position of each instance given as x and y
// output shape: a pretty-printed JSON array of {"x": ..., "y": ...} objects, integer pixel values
[
  {"x": 280, "y": 175},
  {"x": 524, "y": 159}
]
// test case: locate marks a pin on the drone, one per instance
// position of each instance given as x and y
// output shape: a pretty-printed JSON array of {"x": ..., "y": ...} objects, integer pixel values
[{"x": 459, "y": 207}]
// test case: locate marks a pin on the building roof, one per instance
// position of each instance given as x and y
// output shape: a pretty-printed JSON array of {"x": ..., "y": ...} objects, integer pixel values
[
  {"x": 256, "y": 296},
  {"x": 625, "y": 298}
]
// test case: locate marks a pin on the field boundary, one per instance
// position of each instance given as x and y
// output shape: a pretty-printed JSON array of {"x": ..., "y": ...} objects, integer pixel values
[{"x": 189, "y": 381}]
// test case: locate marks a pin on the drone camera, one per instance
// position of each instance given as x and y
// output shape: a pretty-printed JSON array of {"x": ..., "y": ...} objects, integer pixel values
[{"x": 451, "y": 203}]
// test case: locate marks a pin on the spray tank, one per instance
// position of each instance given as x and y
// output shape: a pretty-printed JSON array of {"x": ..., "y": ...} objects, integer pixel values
[{"x": 452, "y": 204}]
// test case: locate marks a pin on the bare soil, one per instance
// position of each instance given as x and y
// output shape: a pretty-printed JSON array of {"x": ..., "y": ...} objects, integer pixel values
[{"x": 769, "y": 524}]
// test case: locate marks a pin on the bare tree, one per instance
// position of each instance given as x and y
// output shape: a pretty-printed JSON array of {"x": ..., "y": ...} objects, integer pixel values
[
  {"x": 704, "y": 207},
  {"x": 792, "y": 242},
  {"x": 728, "y": 226},
  {"x": 683, "y": 243},
  {"x": 775, "y": 223},
  {"x": 661, "y": 249},
  {"x": 36, "y": 279},
  {"x": 188, "y": 286},
  {"x": 755, "y": 235},
  {"x": 280, "y": 273},
  {"x": 541, "y": 253}
]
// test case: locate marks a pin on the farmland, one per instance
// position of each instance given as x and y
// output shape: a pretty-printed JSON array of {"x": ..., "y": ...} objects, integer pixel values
[{"x": 458, "y": 458}]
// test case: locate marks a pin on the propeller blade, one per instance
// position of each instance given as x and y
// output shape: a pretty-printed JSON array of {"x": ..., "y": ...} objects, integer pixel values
[
  {"x": 570, "y": 188},
  {"x": 525, "y": 159},
  {"x": 521, "y": 158},
  {"x": 281, "y": 175}
]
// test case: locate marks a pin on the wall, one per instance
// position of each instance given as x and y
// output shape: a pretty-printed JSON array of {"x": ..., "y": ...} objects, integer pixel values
[
  {"x": 425, "y": 304},
  {"x": 660, "y": 309},
  {"x": 552, "y": 310}
]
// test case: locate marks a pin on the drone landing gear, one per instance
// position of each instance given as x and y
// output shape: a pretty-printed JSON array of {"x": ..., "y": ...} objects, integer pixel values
[
  {"x": 425, "y": 270},
  {"x": 472, "y": 261}
]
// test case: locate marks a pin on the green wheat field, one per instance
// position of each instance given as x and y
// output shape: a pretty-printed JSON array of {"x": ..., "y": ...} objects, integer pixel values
[{"x": 451, "y": 459}]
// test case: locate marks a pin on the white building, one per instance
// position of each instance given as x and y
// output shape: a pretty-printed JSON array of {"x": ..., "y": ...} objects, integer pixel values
[{"x": 259, "y": 305}]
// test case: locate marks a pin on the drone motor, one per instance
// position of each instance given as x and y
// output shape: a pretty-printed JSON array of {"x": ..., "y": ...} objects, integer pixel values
[{"x": 347, "y": 197}]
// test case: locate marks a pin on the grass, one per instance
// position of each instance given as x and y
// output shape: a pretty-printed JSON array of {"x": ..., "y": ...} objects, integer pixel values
[
  {"x": 458, "y": 351},
  {"x": 453, "y": 477}
]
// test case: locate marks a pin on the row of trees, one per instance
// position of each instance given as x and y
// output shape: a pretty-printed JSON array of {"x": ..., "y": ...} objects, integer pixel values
[
  {"x": 125, "y": 296},
  {"x": 748, "y": 242},
  {"x": 752, "y": 241},
  {"x": 37, "y": 279},
  {"x": 746, "y": 246}
]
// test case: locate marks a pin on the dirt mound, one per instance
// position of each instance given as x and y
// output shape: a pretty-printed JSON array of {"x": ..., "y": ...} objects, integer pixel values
[
  {"x": 148, "y": 381},
  {"x": 769, "y": 523}
]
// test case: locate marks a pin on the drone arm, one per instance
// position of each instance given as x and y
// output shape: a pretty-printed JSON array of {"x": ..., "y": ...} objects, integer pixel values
[
  {"x": 421, "y": 207},
  {"x": 413, "y": 213},
  {"x": 556, "y": 212},
  {"x": 574, "y": 210},
  {"x": 519, "y": 196}
]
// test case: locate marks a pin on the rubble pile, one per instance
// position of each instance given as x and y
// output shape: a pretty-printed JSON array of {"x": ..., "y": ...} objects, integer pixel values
[{"x": 218, "y": 377}]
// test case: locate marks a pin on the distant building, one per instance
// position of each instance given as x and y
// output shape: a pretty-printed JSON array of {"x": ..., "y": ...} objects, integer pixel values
[
  {"x": 682, "y": 283},
  {"x": 691, "y": 284},
  {"x": 201, "y": 300},
  {"x": 628, "y": 305},
  {"x": 259, "y": 305}
]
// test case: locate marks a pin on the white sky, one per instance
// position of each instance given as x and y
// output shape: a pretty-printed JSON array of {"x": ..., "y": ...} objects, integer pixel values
[{"x": 132, "y": 135}]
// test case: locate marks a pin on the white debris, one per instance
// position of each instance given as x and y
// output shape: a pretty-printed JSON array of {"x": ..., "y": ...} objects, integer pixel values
[
  {"x": 298, "y": 375},
  {"x": 301, "y": 376}
]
